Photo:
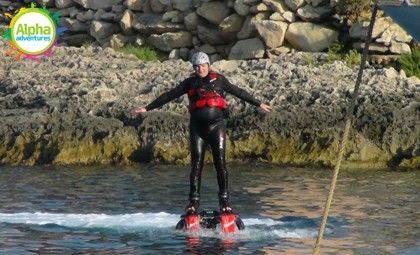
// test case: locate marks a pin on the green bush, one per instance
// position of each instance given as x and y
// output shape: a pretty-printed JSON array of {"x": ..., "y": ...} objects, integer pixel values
[
  {"x": 353, "y": 58},
  {"x": 143, "y": 53},
  {"x": 335, "y": 52},
  {"x": 308, "y": 59},
  {"x": 338, "y": 52},
  {"x": 410, "y": 62}
]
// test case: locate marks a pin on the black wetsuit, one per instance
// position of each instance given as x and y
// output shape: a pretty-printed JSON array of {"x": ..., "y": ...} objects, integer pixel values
[{"x": 207, "y": 127}]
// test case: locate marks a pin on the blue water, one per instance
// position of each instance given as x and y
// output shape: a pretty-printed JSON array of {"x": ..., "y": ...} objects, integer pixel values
[
  {"x": 407, "y": 17},
  {"x": 133, "y": 210}
]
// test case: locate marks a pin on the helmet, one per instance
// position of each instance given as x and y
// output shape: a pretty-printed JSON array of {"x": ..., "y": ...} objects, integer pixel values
[{"x": 199, "y": 58}]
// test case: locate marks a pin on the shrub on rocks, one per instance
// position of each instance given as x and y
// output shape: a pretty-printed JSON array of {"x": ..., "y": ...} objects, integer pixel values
[
  {"x": 352, "y": 9},
  {"x": 411, "y": 62},
  {"x": 353, "y": 58},
  {"x": 338, "y": 52},
  {"x": 145, "y": 53}
]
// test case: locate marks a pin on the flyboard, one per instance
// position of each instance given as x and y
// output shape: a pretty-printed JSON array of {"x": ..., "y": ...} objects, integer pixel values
[{"x": 229, "y": 222}]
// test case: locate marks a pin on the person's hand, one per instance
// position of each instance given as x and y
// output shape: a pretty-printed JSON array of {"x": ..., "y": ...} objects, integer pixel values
[
  {"x": 137, "y": 111},
  {"x": 265, "y": 107}
]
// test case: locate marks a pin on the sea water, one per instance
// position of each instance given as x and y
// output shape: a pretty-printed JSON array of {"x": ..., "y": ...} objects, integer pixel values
[{"x": 134, "y": 210}]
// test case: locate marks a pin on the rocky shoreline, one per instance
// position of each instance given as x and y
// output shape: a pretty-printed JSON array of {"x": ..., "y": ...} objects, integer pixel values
[
  {"x": 74, "y": 108},
  {"x": 233, "y": 29}
]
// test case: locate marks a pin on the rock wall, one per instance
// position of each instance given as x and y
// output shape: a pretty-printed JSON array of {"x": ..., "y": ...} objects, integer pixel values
[
  {"x": 233, "y": 29},
  {"x": 74, "y": 108}
]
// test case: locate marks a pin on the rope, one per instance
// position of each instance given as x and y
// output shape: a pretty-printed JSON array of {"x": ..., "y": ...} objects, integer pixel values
[{"x": 349, "y": 119}]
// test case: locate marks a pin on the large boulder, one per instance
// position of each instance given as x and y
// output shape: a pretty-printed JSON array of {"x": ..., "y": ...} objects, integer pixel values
[
  {"x": 241, "y": 8},
  {"x": 110, "y": 17},
  {"x": 63, "y": 3},
  {"x": 289, "y": 16},
  {"x": 294, "y": 4},
  {"x": 316, "y": 3},
  {"x": 119, "y": 9},
  {"x": 232, "y": 23},
  {"x": 182, "y": 5},
  {"x": 170, "y": 15},
  {"x": 73, "y": 25},
  {"x": 85, "y": 16},
  {"x": 261, "y": 7},
  {"x": 247, "y": 49},
  {"x": 69, "y": 12},
  {"x": 399, "y": 34},
  {"x": 276, "y": 6},
  {"x": 76, "y": 40},
  {"x": 277, "y": 17},
  {"x": 118, "y": 40},
  {"x": 381, "y": 24},
  {"x": 310, "y": 37},
  {"x": 146, "y": 7},
  {"x": 191, "y": 21},
  {"x": 100, "y": 30},
  {"x": 314, "y": 14},
  {"x": 214, "y": 36},
  {"x": 373, "y": 47},
  {"x": 208, "y": 49},
  {"x": 157, "y": 6},
  {"x": 98, "y": 4},
  {"x": 385, "y": 38},
  {"x": 168, "y": 41},
  {"x": 272, "y": 32},
  {"x": 359, "y": 30},
  {"x": 135, "y": 5},
  {"x": 399, "y": 48},
  {"x": 248, "y": 28},
  {"x": 214, "y": 12},
  {"x": 126, "y": 21},
  {"x": 150, "y": 23},
  {"x": 46, "y": 3}
]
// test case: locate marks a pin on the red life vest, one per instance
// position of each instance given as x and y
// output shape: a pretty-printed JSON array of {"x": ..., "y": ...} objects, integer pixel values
[{"x": 206, "y": 98}]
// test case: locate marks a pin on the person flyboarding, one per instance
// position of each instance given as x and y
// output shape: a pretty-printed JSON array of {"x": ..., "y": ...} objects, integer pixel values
[{"x": 206, "y": 91}]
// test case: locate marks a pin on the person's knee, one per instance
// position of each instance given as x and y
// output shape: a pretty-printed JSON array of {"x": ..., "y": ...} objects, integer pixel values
[
  {"x": 196, "y": 169},
  {"x": 221, "y": 171}
]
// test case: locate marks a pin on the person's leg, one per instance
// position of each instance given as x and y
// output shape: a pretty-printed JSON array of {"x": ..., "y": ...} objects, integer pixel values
[
  {"x": 217, "y": 141},
  {"x": 197, "y": 147}
]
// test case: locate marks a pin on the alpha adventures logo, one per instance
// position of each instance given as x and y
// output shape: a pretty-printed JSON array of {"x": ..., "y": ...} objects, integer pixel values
[{"x": 32, "y": 33}]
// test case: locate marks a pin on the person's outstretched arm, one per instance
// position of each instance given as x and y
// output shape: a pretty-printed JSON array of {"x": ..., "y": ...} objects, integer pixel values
[
  {"x": 163, "y": 99},
  {"x": 242, "y": 94}
]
